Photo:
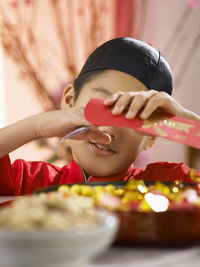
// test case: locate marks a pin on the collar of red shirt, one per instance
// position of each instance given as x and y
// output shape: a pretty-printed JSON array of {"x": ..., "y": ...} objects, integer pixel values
[{"x": 76, "y": 175}]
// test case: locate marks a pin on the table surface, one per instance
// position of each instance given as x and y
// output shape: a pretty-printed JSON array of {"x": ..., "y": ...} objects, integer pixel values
[{"x": 148, "y": 257}]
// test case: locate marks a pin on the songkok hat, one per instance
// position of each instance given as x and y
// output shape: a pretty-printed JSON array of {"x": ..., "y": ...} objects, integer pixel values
[{"x": 134, "y": 57}]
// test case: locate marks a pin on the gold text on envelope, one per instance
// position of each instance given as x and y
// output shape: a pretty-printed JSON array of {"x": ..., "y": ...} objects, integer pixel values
[{"x": 156, "y": 121}]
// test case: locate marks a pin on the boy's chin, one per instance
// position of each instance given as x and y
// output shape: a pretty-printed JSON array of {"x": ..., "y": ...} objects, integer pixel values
[
  {"x": 100, "y": 167},
  {"x": 101, "y": 171}
]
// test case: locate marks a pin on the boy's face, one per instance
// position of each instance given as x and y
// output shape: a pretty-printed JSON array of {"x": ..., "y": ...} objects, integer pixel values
[{"x": 126, "y": 144}]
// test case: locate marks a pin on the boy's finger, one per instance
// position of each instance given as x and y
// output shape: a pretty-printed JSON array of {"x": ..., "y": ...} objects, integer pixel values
[
  {"x": 138, "y": 102},
  {"x": 121, "y": 104},
  {"x": 112, "y": 99},
  {"x": 153, "y": 103},
  {"x": 144, "y": 134},
  {"x": 75, "y": 132},
  {"x": 94, "y": 135}
]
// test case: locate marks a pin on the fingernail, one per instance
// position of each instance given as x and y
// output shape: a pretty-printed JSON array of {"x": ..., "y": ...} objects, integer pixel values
[
  {"x": 130, "y": 114},
  {"x": 143, "y": 115},
  {"x": 117, "y": 109},
  {"x": 106, "y": 101},
  {"x": 107, "y": 139},
  {"x": 109, "y": 100}
]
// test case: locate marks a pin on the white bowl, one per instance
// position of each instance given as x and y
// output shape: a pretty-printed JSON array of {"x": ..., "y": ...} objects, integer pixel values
[{"x": 57, "y": 249}]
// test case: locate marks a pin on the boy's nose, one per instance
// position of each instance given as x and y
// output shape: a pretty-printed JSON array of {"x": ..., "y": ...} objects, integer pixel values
[{"x": 112, "y": 131}]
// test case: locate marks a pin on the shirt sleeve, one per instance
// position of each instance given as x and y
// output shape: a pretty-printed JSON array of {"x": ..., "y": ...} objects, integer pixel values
[
  {"x": 166, "y": 172},
  {"x": 23, "y": 177}
]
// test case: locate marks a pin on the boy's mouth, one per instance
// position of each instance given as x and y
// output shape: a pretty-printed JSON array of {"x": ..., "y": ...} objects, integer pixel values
[{"x": 101, "y": 150}]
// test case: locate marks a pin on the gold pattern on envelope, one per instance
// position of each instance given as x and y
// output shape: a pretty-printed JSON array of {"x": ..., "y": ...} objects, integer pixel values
[
  {"x": 180, "y": 137},
  {"x": 157, "y": 120}
]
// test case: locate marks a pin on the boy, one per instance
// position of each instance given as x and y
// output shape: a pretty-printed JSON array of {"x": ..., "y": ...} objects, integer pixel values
[{"x": 130, "y": 75}]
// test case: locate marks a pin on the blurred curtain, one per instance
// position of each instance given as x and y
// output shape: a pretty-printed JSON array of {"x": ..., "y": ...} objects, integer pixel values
[
  {"x": 125, "y": 18},
  {"x": 48, "y": 41}
]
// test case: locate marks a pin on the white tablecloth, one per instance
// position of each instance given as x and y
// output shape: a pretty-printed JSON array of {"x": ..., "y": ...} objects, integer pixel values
[
  {"x": 148, "y": 257},
  {"x": 4, "y": 199}
]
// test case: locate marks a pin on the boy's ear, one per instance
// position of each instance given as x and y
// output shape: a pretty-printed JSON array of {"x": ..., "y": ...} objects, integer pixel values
[
  {"x": 68, "y": 97},
  {"x": 150, "y": 142}
]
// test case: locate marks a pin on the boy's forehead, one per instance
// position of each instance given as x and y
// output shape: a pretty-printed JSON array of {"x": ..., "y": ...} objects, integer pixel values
[
  {"x": 108, "y": 83},
  {"x": 102, "y": 90},
  {"x": 113, "y": 81}
]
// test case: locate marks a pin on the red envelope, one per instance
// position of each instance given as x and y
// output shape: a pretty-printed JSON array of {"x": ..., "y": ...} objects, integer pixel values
[{"x": 163, "y": 125}]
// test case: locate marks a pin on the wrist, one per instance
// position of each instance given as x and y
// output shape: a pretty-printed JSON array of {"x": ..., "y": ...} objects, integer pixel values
[
  {"x": 34, "y": 127},
  {"x": 28, "y": 128}
]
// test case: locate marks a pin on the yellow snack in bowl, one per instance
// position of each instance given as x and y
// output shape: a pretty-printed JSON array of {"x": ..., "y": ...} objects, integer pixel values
[{"x": 86, "y": 190}]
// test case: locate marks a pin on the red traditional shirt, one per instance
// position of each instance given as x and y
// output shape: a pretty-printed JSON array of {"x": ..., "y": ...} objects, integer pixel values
[{"x": 23, "y": 177}]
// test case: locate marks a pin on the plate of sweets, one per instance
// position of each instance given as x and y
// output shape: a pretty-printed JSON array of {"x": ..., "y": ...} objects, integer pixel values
[
  {"x": 150, "y": 213},
  {"x": 53, "y": 229}
]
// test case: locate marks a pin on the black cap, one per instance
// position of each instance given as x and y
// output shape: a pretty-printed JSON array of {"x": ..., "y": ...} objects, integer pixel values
[{"x": 134, "y": 57}]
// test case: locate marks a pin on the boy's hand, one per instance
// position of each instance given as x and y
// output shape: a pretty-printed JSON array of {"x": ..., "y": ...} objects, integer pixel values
[
  {"x": 50, "y": 124},
  {"x": 60, "y": 122},
  {"x": 143, "y": 104}
]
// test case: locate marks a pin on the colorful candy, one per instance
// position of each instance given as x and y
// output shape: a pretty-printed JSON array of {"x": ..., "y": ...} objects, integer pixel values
[{"x": 136, "y": 195}]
